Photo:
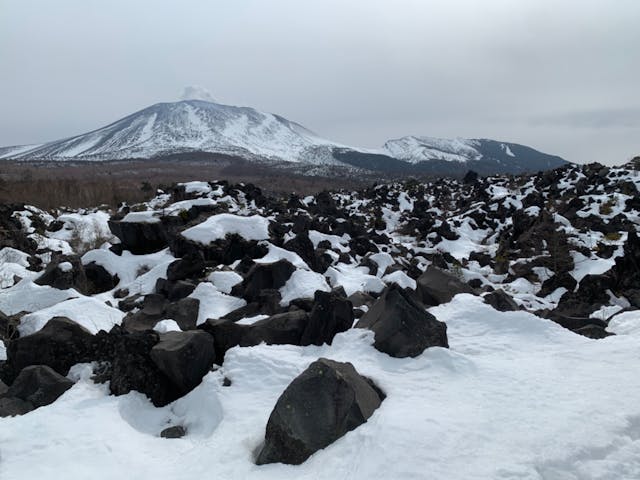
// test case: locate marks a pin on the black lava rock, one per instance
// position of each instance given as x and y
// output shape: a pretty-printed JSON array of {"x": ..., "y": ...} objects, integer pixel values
[
  {"x": 39, "y": 385},
  {"x": 60, "y": 344},
  {"x": 325, "y": 402},
  {"x": 184, "y": 357},
  {"x": 436, "y": 286},
  {"x": 402, "y": 327}
]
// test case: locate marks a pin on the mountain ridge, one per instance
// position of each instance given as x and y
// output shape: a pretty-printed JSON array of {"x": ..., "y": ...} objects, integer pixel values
[{"x": 201, "y": 126}]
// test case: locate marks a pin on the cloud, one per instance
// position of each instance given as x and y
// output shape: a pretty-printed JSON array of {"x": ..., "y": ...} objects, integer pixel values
[{"x": 196, "y": 92}]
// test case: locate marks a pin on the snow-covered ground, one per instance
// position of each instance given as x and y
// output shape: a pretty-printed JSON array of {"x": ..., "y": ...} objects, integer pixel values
[{"x": 515, "y": 396}]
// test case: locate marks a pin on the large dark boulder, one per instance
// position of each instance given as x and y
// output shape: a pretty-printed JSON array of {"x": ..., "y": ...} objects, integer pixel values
[
  {"x": 593, "y": 331},
  {"x": 321, "y": 405},
  {"x": 593, "y": 288},
  {"x": 264, "y": 276},
  {"x": 330, "y": 315},
  {"x": 12, "y": 406},
  {"x": 226, "y": 335},
  {"x": 39, "y": 385},
  {"x": 445, "y": 231},
  {"x": 189, "y": 266},
  {"x": 152, "y": 311},
  {"x": 11, "y": 231},
  {"x": 9, "y": 326},
  {"x": 64, "y": 272},
  {"x": 184, "y": 312},
  {"x": 225, "y": 250},
  {"x": 501, "y": 301},
  {"x": 626, "y": 271},
  {"x": 483, "y": 259},
  {"x": 174, "y": 290},
  {"x": 436, "y": 286},
  {"x": 561, "y": 280},
  {"x": 99, "y": 280},
  {"x": 574, "y": 314},
  {"x": 302, "y": 245},
  {"x": 363, "y": 245},
  {"x": 60, "y": 344},
  {"x": 281, "y": 329},
  {"x": 140, "y": 237},
  {"x": 131, "y": 368},
  {"x": 155, "y": 308},
  {"x": 402, "y": 327},
  {"x": 184, "y": 357}
]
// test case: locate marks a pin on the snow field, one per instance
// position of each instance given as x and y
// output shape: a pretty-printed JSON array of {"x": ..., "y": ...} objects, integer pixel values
[{"x": 514, "y": 397}]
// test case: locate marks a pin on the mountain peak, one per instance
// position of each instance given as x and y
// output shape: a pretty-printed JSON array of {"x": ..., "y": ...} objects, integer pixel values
[
  {"x": 202, "y": 125},
  {"x": 188, "y": 125}
]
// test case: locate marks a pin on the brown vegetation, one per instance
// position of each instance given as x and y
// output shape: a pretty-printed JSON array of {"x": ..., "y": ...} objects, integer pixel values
[{"x": 85, "y": 184}]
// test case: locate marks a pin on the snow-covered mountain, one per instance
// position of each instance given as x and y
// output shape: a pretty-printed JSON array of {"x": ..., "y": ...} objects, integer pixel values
[
  {"x": 188, "y": 125},
  {"x": 428, "y": 149},
  {"x": 423, "y": 149},
  {"x": 203, "y": 126}
]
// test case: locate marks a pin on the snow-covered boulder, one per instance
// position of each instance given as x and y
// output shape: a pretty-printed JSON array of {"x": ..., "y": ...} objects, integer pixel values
[
  {"x": 331, "y": 314},
  {"x": 60, "y": 344}
]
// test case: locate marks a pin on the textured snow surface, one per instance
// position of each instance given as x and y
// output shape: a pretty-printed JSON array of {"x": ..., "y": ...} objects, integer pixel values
[
  {"x": 219, "y": 226},
  {"x": 420, "y": 149},
  {"x": 164, "y": 326},
  {"x": 515, "y": 397},
  {"x": 225, "y": 281},
  {"x": 14, "y": 263},
  {"x": 302, "y": 284},
  {"x": 26, "y": 296},
  {"x": 400, "y": 278},
  {"x": 86, "y": 229},
  {"x": 214, "y": 304},
  {"x": 91, "y": 313},
  {"x": 137, "y": 273},
  {"x": 626, "y": 323},
  {"x": 277, "y": 253},
  {"x": 196, "y": 187},
  {"x": 141, "y": 217},
  {"x": 354, "y": 279}
]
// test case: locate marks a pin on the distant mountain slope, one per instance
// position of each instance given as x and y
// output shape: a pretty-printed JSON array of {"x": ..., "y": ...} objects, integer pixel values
[
  {"x": 191, "y": 126},
  {"x": 482, "y": 153}
]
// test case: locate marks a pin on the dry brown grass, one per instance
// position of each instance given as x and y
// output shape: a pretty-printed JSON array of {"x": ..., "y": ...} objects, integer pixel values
[{"x": 86, "y": 184}]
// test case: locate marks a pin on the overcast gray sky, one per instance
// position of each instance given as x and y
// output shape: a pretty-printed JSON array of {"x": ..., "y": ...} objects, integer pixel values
[{"x": 561, "y": 76}]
